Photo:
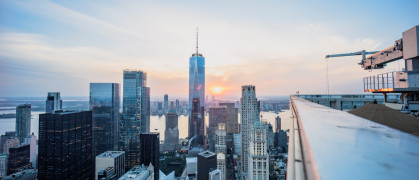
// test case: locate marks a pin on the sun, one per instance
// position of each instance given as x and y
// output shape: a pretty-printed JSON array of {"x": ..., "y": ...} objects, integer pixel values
[{"x": 217, "y": 89}]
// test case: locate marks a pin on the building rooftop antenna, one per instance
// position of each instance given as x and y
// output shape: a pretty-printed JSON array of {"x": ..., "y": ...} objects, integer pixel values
[{"x": 197, "y": 41}]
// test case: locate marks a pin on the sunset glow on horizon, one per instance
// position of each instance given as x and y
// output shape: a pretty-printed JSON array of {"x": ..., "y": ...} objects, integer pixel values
[{"x": 217, "y": 89}]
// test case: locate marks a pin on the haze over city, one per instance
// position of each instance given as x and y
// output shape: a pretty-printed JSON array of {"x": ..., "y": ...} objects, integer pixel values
[{"x": 279, "y": 46}]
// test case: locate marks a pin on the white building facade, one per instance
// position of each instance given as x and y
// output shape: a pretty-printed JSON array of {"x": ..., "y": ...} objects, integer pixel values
[
  {"x": 220, "y": 139},
  {"x": 115, "y": 159},
  {"x": 221, "y": 164},
  {"x": 258, "y": 167},
  {"x": 249, "y": 114}
]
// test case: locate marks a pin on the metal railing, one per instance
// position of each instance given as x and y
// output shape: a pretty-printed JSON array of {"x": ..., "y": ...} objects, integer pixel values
[{"x": 381, "y": 81}]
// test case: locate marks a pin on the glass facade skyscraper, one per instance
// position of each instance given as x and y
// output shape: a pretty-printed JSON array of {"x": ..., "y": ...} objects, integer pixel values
[
  {"x": 196, "y": 93},
  {"x": 23, "y": 121},
  {"x": 53, "y": 102},
  {"x": 65, "y": 145},
  {"x": 104, "y": 104},
  {"x": 196, "y": 79},
  {"x": 135, "y": 114}
]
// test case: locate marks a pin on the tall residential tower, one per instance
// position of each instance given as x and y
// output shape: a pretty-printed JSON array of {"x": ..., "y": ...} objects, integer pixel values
[
  {"x": 23, "y": 121},
  {"x": 249, "y": 115}
]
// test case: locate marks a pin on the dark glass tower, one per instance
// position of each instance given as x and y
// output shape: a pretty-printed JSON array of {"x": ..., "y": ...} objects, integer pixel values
[
  {"x": 166, "y": 103},
  {"x": 171, "y": 133},
  {"x": 150, "y": 151},
  {"x": 104, "y": 104},
  {"x": 23, "y": 122},
  {"x": 65, "y": 145},
  {"x": 136, "y": 114},
  {"x": 207, "y": 162},
  {"x": 53, "y": 102},
  {"x": 18, "y": 158},
  {"x": 196, "y": 122}
]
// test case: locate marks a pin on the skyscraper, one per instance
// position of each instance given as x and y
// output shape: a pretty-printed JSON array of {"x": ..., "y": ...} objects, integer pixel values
[
  {"x": 196, "y": 122},
  {"x": 65, "y": 145},
  {"x": 178, "y": 107},
  {"x": 249, "y": 114},
  {"x": 207, "y": 162},
  {"x": 196, "y": 83},
  {"x": 18, "y": 158},
  {"x": 23, "y": 121},
  {"x": 258, "y": 166},
  {"x": 220, "y": 139},
  {"x": 278, "y": 123},
  {"x": 104, "y": 104},
  {"x": 171, "y": 133},
  {"x": 53, "y": 102},
  {"x": 232, "y": 112},
  {"x": 150, "y": 151},
  {"x": 221, "y": 165},
  {"x": 166, "y": 103},
  {"x": 136, "y": 114}
]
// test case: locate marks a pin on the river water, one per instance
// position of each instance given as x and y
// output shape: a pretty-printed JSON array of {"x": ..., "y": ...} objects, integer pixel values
[{"x": 157, "y": 123}]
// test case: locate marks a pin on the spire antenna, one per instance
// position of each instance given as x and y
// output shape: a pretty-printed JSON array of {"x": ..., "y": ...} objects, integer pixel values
[{"x": 197, "y": 41}]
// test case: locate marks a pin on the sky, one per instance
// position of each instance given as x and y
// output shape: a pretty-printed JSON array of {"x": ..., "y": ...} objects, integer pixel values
[{"x": 279, "y": 46}]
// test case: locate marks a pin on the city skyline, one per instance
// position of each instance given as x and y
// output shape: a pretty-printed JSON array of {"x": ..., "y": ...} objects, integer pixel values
[{"x": 78, "y": 44}]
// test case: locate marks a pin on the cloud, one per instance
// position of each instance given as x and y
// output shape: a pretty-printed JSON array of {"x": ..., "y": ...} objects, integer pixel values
[{"x": 102, "y": 40}]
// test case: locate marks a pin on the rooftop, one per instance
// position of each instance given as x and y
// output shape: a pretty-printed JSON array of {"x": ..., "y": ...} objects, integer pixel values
[
  {"x": 207, "y": 154},
  {"x": 110, "y": 154},
  {"x": 333, "y": 144}
]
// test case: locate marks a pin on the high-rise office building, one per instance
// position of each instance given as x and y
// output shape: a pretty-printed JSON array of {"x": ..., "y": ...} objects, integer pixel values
[
  {"x": 220, "y": 139},
  {"x": 166, "y": 103},
  {"x": 23, "y": 121},
  {"x": 171, "y": 133},
  {"x": 270, "y": 134},
  {"x": 7, "y": 135},
  {"x": 196, "y": 78},
  {"x": 278, "y": 123},
  {"x": 53, "y": 102},
  {"x": 232, "y": 112},
  {"x": 178, "y": 107},
  {"x": 258, "y": 166},
  {"x": 207, "y": 162},
  {"x": 221, "y": 165},
  {"x": 33, "y": 155},
  {"x": 249, "y": 114},
  {"x": 19, "y": 158},
  {"x": 216, "y": 115},
  {"x": 224, "y": 113},
  {"x": 10, "y": 142},
  {"x": 281, "y": 139},
  {"x": 3, "y": 164},
  {"x": 196, "y": 122},
  {"x": 104, "y": 103},
  {"x": 150, "y": 151},
  {"x": 136, "y": 114},
  {"x": 65, "y": 148},
  {"x": 113, "y": 159}
]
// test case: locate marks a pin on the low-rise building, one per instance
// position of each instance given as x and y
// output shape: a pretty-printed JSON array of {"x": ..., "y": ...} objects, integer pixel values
[
  {"x": 114, "y": 159},
  {"x": 139, "y": 173}
]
